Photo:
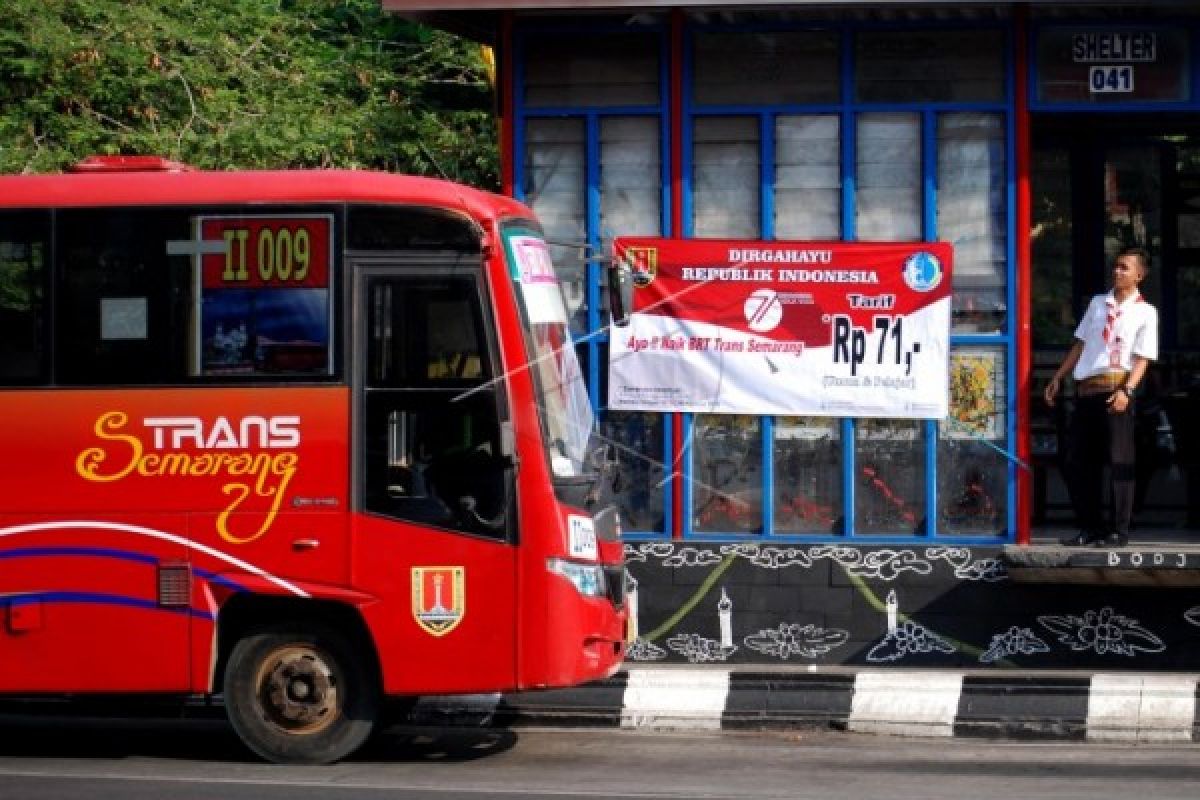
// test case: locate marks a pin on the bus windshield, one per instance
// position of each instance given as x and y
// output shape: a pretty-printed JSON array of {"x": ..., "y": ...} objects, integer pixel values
[{"x": 566, "y": 411}]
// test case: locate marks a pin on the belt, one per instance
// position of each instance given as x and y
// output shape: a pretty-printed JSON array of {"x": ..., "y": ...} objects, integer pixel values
[{"x": 1104, "y": 383}]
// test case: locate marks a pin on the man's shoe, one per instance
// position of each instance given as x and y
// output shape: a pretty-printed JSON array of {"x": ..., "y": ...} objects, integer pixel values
[
  {"x": 1082, "y": 539},
  {"x": 1113, "y": 540}
]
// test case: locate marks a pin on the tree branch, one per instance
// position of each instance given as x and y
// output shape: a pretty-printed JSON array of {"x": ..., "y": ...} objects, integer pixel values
[{"x": 187, "y": 126}]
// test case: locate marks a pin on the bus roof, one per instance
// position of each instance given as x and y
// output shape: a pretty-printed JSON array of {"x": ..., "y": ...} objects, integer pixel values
[{"x": 195, "y": 187}]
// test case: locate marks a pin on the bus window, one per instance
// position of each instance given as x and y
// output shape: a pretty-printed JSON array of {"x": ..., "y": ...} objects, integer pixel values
[
  {"x": 432, "y": 431},
  {"x": 405, "y": 228},
  {"x": 24, "y": 252},
  {"x": 122, "y": 304},
  {"x": 170, "y": 296}
]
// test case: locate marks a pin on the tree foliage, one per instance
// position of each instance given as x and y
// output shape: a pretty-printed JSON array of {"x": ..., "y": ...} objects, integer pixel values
[{"x": 224, "y": 84}]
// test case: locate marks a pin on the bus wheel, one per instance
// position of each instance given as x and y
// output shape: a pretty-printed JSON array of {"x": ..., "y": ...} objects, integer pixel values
[{"x": 300, "y": 697}]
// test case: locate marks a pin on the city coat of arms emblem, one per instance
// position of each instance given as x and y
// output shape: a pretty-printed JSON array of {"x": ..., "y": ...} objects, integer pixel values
[
  {"x": 438, "y": 598},
  {"x": 643, "y": 264}
]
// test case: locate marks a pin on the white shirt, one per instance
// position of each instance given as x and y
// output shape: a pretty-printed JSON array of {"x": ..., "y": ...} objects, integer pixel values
[{"x": 1136, "y": 334}]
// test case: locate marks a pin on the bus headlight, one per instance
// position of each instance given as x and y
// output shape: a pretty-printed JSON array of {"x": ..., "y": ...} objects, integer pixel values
[{"x": 588, "y": 579}]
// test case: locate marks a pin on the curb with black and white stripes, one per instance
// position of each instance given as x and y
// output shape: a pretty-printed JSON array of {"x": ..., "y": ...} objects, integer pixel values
[{"x": 1116, "y": 707}]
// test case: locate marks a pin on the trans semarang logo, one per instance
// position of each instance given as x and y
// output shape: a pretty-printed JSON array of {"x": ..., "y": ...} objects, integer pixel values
[
  {"x": 763, "y": 310},
  {"x": 256, "y": 455}
]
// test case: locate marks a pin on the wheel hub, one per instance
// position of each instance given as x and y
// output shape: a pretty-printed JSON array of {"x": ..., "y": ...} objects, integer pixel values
[{"x": 298, "y": 690}]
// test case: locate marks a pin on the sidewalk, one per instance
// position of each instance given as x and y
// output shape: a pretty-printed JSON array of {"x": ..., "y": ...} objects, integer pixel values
[{"x": 1102, "y": 707}]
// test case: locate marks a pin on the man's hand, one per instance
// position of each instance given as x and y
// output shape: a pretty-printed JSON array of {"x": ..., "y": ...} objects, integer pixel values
[
  {"x": 1051, "y": 391},
  {"x": 1118, "y": 401}
]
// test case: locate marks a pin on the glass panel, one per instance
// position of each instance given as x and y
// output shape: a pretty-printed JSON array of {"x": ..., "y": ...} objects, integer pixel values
[
  {"x": 125, "y": 309},
  {"x": 568, "y": 422},
  {"x": 971, "y": 215},
  {"x": 889, "y": 177},
  {"x": 769, "y": 69},
  {"x": 808, "y": 475},
  {"x": 24, "y": 249},
  {"x": 572, "y": 70},
  {"x": 972, "y": 488},
  {"x": 808, "y": 177},
  {"x": 1187, "y": 300},
  {"x": 401, "y": 228},
  {"x": 426, "y": 333},
  {"x": 134, "y": 307},
  {"x": 1187, "y": 226},
  {"x": 929, "y": 66},
  {"x": 1133, "y": 209},
  {"x": 630, "y": 179},
  {"x": 265, "y": 307},
  {"x": 973, "y": 476},
  {"x": 1053, "y": 255},
  {"x": 638, "y": 439},
  {"x": 727, "y": 474},
  {"x": 726, "y": 158},
  {"x": 889, "y": 458},
  {"x": 432, "y": 446},
  {"x": 555, "y": 181}
]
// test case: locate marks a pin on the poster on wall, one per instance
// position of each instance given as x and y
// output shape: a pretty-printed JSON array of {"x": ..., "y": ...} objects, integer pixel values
[
  {"x": 784, "y": 328},
  {"x": 976, "y": 395}
]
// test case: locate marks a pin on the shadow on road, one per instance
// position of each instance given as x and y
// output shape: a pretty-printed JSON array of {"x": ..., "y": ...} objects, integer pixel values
[
  {"x": 408, "y": 744},
  {"x": 55, "y": 734},
  {"x": 62, "y": 736}
]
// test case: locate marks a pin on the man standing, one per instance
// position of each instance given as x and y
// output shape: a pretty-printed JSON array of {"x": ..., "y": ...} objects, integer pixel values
[{"x": 1114, "y": 344}]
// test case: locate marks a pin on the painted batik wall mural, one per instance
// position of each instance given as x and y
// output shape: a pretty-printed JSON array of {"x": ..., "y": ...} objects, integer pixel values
[{"x": 898, "y": 606}]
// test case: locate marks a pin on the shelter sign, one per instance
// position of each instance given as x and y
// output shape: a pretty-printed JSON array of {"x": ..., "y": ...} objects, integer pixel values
[{"x": 787, "y": 328}]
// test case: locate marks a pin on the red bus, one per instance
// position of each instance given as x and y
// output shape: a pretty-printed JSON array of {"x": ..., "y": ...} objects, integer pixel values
[{"x": 307, "y": 440}]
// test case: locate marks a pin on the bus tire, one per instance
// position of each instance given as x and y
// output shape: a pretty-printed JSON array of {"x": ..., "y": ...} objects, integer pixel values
[{"x": 300, "y": 696}]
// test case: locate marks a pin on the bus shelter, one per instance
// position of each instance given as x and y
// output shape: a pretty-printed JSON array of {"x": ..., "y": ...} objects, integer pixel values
[{"x": 1036, "y": 140}]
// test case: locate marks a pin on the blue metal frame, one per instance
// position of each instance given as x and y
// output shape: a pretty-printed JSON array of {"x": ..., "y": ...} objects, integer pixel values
[
  {"x": 847, "y": 110},
  {"x": 1010, "y": 299}
]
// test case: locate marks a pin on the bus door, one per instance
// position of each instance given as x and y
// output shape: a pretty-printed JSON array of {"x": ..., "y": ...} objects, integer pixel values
[{"x": 434, "y": 478}]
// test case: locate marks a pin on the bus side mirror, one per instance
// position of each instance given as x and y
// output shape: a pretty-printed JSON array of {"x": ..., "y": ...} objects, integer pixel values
[{"x": 620, "y": 288}]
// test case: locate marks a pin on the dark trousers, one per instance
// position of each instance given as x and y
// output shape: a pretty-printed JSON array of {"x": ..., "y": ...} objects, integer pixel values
[{"x": 1099, "y": 438}]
